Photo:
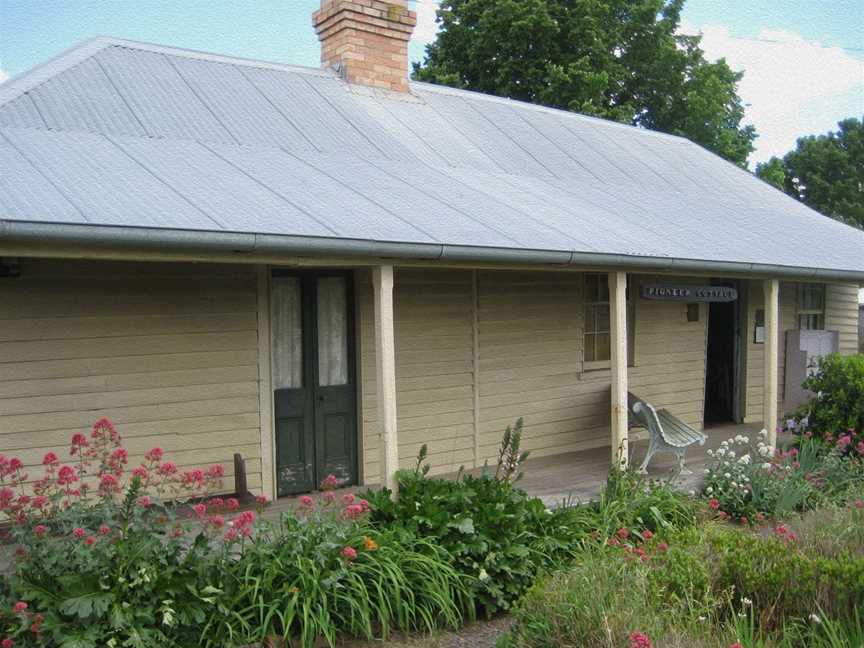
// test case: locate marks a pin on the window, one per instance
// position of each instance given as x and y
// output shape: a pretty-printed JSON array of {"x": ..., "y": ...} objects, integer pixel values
[
  {"x": 811, "y": 307},
  {"x": 598, "y": 337}
]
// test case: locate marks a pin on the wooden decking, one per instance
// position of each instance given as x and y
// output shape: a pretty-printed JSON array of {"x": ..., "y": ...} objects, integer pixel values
[{"x": 579, "y": 476}]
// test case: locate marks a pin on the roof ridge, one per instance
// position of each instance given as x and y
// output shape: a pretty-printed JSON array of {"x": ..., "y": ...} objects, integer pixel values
[
  {"x": 507, "y": 101},
  {"x": 31, "y": 79}
]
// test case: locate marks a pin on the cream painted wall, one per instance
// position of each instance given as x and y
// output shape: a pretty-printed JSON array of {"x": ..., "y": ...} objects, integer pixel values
[{"x": 167, "y": 351}]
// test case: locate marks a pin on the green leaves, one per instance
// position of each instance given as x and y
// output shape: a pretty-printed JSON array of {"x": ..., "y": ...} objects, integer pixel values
[
  {"x": 619, "y": 59},
  {"x": 85, "y": 606},
  {"x": 825, "y": 172}
]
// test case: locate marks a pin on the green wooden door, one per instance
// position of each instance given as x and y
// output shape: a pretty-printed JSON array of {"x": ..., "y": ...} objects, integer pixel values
[{"x": 313, "y": 379}]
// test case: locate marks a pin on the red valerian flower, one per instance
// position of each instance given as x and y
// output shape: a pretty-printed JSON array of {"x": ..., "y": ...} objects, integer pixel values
[
  {"x": 90, "y": 541},
  {"x": 348, "y": 498},
  {"x": 350, "y": 553},
  {"x": 20, "y": 607},
  {"x": 154, "y": 455},
  {"x": 78, "y": 532},
  {"x": 662, "y": 547},
  {"x": 66, "y": 475},
  {"x": 216, "y": 521},
  {"x": 104, "y": 530},
  {"x": 714, "y": 504},
  {"x": 7, "y": 643},
  {"x": 167, "y": 468},
  {"x": 622, "y": 533},
  {"x": 330, "y": 482},
  {"x": 639, "y": 640},
  {"x": 306, "y": 501},
  {"x": 232, "y": 504},
  {"x": 736, "y": 645},
  {"x": 647, "y": 534},
  {"x": 144, "y": 501},
  {"x": 200, "y": 510},
  {"x": 141, "y": 472},
  {"x": 36, "y": 626},
  {"x": 216, "y": 471},
  {"x": 40, "y": 530},
  {"x": 261, "y": 499},
  {"x": 50, "y": 459}
]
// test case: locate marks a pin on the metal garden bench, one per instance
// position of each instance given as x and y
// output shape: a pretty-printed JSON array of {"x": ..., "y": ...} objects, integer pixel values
[{"x": 666, "y": 432}]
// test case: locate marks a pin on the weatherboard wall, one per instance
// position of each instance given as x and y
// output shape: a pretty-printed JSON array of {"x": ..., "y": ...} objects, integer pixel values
[{"x": 169, "y": 352}]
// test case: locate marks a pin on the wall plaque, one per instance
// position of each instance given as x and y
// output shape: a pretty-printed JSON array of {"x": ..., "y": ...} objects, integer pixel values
[{"x": 671, "y": 292}]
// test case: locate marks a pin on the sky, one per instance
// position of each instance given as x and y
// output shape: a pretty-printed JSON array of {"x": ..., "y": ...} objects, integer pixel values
[{"x": 803, "y": 60}]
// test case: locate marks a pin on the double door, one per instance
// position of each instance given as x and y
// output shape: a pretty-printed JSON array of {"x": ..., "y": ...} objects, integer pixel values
[{"x": 314, "y": 385}]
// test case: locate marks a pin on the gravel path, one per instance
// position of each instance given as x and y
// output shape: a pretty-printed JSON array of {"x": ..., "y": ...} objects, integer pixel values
[{"x": 482, "y": 634}]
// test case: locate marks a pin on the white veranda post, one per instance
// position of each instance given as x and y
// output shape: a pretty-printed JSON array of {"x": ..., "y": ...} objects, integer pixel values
[
  {"x": 618, "y": 357},
  {"x": 771, "y": 290},
  {"x": 385, "y": 356}
]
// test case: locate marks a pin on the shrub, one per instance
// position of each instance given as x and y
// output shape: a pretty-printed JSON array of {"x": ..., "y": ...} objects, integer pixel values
[
  {"x": 838, "y": 406},
  {"x": 747, "y": 482},
  {"x": 101, "y": 559},
  {"x": 323, "y": 570}
]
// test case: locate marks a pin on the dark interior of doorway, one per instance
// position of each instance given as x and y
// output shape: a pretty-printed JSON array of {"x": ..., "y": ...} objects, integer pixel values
[{"x": 720, "y": 366}]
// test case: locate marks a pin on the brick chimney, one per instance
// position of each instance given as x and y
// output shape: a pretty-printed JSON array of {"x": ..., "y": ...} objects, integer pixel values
[{"x": 367, "y": 40}]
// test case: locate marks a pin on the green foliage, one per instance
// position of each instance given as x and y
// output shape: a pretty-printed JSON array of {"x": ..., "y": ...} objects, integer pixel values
[
  {"x": 838, "y": 406},
  {"x": 824, "y": 172},
  {"x": 486, "y": 525},
  {"x": 747, "y": 482},
  {"x": 712, "y": 587},
  {"x": 319, "y": 573},
  {"x": 618, "y": 59}
]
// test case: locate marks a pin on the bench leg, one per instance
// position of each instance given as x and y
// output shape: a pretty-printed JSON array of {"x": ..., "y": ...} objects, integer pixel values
[
  {"x": 682, "y": 469},
  {"x": 652, "y": 450}
]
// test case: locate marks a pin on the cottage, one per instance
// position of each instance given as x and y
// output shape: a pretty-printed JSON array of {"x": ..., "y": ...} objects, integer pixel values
[{"x": 323, "y": 269}]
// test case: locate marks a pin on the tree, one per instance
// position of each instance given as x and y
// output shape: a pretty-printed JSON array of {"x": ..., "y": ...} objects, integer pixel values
[
  {"x": 617, "y": 59},
  {"x": 825, "y": 172}
]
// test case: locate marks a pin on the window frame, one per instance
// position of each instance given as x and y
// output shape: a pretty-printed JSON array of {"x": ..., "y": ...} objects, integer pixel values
[
  {"x": 594, "y": 365},
  {"x": 818, "y": 313}
]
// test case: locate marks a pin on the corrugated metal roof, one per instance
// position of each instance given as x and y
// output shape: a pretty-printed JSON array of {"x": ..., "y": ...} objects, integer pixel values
[{"x": 123, "y": 134}]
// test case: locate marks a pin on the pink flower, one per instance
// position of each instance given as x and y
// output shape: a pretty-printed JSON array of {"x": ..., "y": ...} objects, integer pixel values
[
  {"x": 167, "y": 468},
  {"x": 215, "y": 503},
  {"x": 216, "y": 521},
  {"x": 66, "y": 475},
  {"x": 39, "y": 502},
  {"x": 15, "y": 464},
  {"x": 194, "y": 477},
  {"x": 232, "y": 504},
  {"x": 350, "y": 553},
  {"x": 50, "y": 459},
  {"x": 144, "y": 501},
  {"x": 104, "y": 530},
  {"x": 329, "y": 497},
  {"x": 714, "y": 504},
  {"x": 79, "y": 441},
  {"x": 261, "y": 499},
  {"x": 40, "y": 530},
  {"x": 216, "y": 471},
  {"x": 662, "y": 547},
  {"x": 736, "y": 645},
  {"x": 154, "y": 455},
  {"x": 306, "y": 501},
  {"x": 200, "y": 510},
  {"x": 353, "y": 511},
  {"x": 230, "y": 534},
  {"x": 348, "y": 498},
  {"x": 90, "y": 541},
  {"x": 78, "y": 532},
  {"x": 859, "y": 504},
  {"x": 622, "y": 533},
  {"x": 7, "y": 643},
  {"x": 140, "y": 472},
  {"x": 108, "y": 484},
  {"x": 365, "y": 505},
  {"x": 19, "y": 607},
  {"x": 330, "y": 482},
  {"x": 647, "y": 534},
  {"x": 639, "y": 640}
]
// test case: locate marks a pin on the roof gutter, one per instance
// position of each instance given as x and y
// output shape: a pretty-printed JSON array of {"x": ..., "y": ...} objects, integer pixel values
[{"x": 252, "y": 246}]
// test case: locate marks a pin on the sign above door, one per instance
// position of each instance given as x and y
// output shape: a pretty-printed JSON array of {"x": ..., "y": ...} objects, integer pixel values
[{"x": 672, "y": 292}]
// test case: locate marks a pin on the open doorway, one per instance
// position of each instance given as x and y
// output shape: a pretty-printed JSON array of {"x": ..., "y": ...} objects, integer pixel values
[{"x": 723, "y": 361}]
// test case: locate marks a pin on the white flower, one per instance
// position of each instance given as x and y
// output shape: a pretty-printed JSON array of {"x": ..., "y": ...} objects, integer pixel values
[
  {"x": 815, "y": 618},
  {"x": 483, "y": 575},
  {"x": 703, "y": 618},
  {"x": 710, "y": 453},
  {"x": 727, "y": 475},
  {"x": 724, "y": 443},
  {"x": 709, "y": 490},
  {"x": 763, "y": 433},
  {"x": 731, "y": 454},
  {"x": 744, "y": 460},
  {"x": 721, "y": 452},
  {"x": 707, "y": 471},
  {"x": 746, "y": 601},
  {"x": 766, "y": 466}
]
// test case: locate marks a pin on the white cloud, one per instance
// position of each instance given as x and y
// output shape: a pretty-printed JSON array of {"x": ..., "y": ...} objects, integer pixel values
[
  {"x": 427, "y": 28},
  {"x": 792, "y": 86}
]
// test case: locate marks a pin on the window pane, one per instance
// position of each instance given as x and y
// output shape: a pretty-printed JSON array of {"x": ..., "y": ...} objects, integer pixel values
[
  {"x": 332, "y": 331},
  {"x": 603, "y": 349},
  {"x": 603, "y": 317},
  {"x": 590, "y": 288},
  {"x": 287, "y": 333},
  {"x": 603, "y": 288},
  {"x": 590, "y": 320},
  {"x": 589, "y": 348}
]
